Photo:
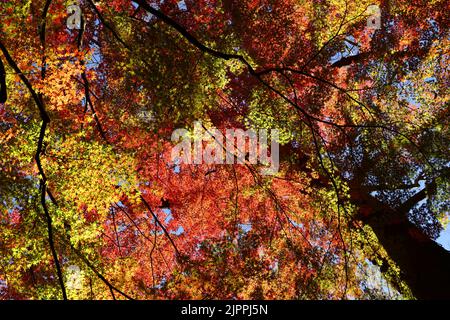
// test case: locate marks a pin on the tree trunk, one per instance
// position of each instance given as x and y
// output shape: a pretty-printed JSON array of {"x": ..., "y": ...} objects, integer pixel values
[{"x": 424, "y": 264}]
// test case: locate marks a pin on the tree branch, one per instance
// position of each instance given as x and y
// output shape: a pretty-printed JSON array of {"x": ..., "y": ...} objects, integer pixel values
[{"x": 161, "y": 225}]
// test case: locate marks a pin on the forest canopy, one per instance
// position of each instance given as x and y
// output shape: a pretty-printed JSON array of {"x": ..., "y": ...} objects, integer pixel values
[{"x": 93, "y": 205}]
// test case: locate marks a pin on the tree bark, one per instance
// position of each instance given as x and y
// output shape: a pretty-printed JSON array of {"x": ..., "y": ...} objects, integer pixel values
[{"x": 424, "y": 264}]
